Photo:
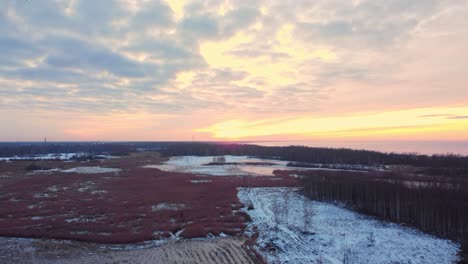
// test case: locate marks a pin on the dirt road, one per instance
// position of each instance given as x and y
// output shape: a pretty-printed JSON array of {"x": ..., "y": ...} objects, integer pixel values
[{"x": 228, "y": 250}]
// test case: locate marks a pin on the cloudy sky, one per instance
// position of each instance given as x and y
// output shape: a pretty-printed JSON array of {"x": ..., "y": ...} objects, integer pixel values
[{"x": 283, "y": 70}]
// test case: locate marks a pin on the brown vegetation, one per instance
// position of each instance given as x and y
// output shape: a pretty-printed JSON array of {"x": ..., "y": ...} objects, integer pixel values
[{"x": 137, "y": 204}]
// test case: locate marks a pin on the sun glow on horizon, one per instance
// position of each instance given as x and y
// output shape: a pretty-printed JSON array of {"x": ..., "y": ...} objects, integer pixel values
[{"x": 409, "y": 124}]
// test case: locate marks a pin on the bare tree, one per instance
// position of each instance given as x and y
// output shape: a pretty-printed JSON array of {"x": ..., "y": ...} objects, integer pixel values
[
  {"x": 307, "y": 214},
  {"x": 371, "y": 239},
  {"x": 220, "y": 159},
  {"x": 348, "y": 257},
  {"x": 286, "y": 198},
  {"x": 275, "y": 209}
]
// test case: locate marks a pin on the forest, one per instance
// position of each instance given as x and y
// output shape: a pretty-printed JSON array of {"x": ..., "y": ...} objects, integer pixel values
[
  {"x": 435, "y": 205},
  {"x": 445, "y": 165}
]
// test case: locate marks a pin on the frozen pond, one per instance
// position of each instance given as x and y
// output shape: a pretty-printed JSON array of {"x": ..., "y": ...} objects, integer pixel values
[
  {"x": 197, "y": 165},
  {"x": 244, "y": 165},
  {"x": 294, "y": 229}
]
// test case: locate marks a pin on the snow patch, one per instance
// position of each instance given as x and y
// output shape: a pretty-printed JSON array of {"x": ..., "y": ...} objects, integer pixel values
[
  {"x": 294, "y": 229},
  {"x": 99, "y": 192},
  {"x": 200, "y": 181},
  {"x": 56, "y": 156},
  {"x": 51, "y": 156},
  {"x": 167, "y": 206},
  {"x": 45, "y": 171},
  {"x": 81, "y": 219},
  {"x": 80, "y": 170},
  {"x": 43, "y": 195},
  {"x": 53, "y": 188},
  {"x": 91, "y": 170}
]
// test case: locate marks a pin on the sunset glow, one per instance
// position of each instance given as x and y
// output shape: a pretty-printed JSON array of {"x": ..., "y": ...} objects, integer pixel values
[
  {"x": 397, "y": 124},
  {"x": 233, "y": 70}
]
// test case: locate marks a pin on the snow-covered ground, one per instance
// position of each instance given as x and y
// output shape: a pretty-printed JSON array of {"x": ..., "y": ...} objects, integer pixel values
[
  {"x": 92, "y": 170},
  {"x": 196, "y": 165},
  {"x": 347, "y": 167},
  {"x": 54, "y": 156},
  {"x": 82, "y": 170},
  {"x": 333, "y": 234}
]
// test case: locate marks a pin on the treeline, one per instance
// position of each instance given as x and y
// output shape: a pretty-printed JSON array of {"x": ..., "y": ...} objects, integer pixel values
[
  {"x": 31, "y": 149},
  {"x": 433, "y": 206},
  {"x": 447, "y": 165}
]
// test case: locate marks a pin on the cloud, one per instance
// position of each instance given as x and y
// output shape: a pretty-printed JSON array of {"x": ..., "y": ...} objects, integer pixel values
[
  {"x": 370, "y": 24},
  {"x": 15, "y": 50},
  {"x": 218, "y": 89},
  {"x": 200, "y": 26},
  {"x": 87, "y": 54},
  {"x": 235, "y": 58},
  {"x": 153, "y": 14},
  {"x": 165, "y": 48},
  {"x": 46, "y": 74},
  {"x": 252, "y": 53},
  {"x": 447, "y": 116},
  {"x": 238, "y": 19},
  {"x": 458, "y": 117},
  {"x": 436, "y": 115},
  {"x": 74, "y": 53},
  {"x": 211, "y": 25}
]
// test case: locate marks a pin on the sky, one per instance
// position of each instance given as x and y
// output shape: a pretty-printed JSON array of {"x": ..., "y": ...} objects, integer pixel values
[{"x": 233, "y": 70}]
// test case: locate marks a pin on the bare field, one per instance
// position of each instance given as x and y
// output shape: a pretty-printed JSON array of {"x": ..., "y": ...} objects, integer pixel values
[
  {"x": 132, "y": 205},
  {"x": 215, "y": 250}
]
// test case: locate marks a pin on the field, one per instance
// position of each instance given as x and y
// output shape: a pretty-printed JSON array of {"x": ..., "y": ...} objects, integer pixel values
[
  {"x": 117, "y": 201},
  {"x": 144, "y": 208},
  {"x": 132, "y": 205}
]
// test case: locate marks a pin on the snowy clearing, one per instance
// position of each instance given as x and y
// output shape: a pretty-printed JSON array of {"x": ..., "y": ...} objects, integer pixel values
[{"x": 333, "y": 234}]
